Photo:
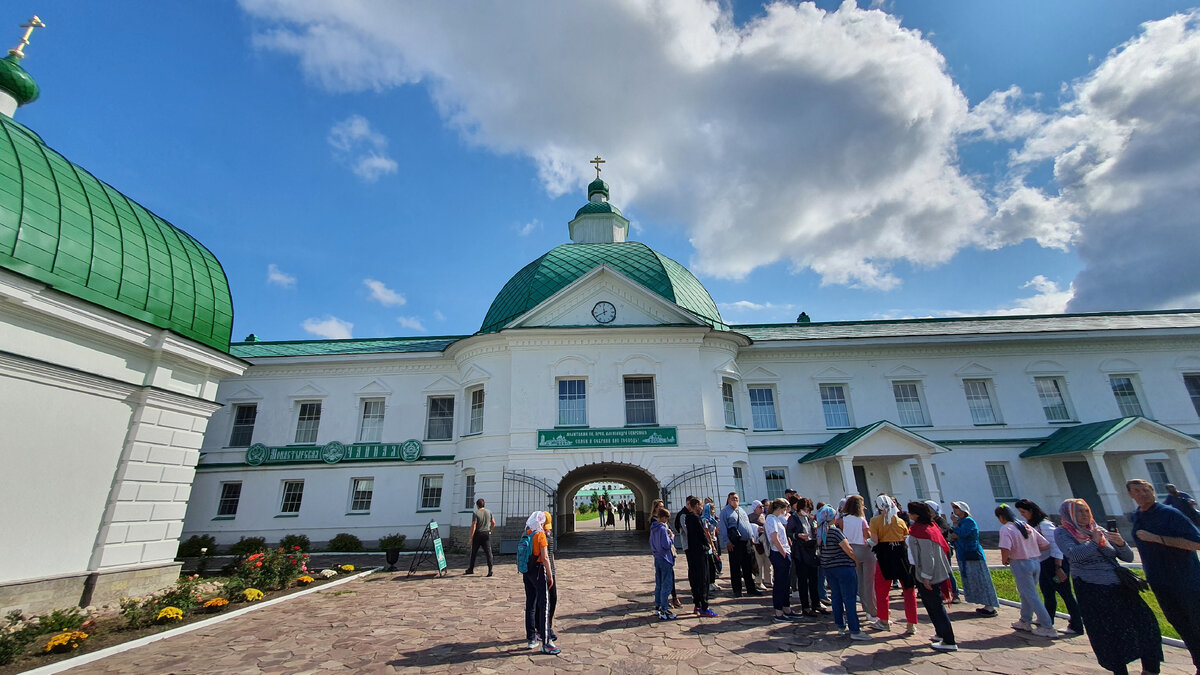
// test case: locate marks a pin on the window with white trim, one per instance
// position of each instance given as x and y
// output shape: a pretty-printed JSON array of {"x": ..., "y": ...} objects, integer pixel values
[
  {"x": 1052, "y": 392},
  {"x": 439, "y": 426},
  {"x": 572, "y": 403},
  {"x": 739, "y": 482},
  {"x": 1127, "y": 398},
  {"x": 835, "y": 406},
  {"x": 431, "y": 492},
  {"x": 370, "y": 426},
  {"x": 475, "y": 424},
  {"x": 762, "y": 409},
  {"x": 909, "y": 404},
  {"x": 1192, "y": 382},
  {"x": 776, "y": 482},
  {"x": 728, "y": 403},
  {"x": 918, "y": 481},
  {"x": 308, "y": 422},
  {"x": 639, "y": 401},
  {"x": 361, "y": 491},
  {"x": 469, "y": 492},
  {"x": 998, "y": 478},
  {"x": 243, "y": 425},
  {"x": 981, "y": 400},
  {"x": 1158, "y": 476},
  {"x": 231, "y": 494},
  {"x": 293, "y": 494}
]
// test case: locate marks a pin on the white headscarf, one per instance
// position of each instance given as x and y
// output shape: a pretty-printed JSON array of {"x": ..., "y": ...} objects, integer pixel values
[
  {"x": 887, "y": 506},
  {"x": 937, "y": 508},
  {"x": 537, "y": 519}
]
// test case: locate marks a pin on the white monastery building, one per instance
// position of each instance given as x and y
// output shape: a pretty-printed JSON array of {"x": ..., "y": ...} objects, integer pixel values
[{"x": 605, "y": 361}]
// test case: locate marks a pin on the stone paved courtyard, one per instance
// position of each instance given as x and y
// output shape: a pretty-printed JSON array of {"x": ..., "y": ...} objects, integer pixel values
[{"x": 458, "y": 624}]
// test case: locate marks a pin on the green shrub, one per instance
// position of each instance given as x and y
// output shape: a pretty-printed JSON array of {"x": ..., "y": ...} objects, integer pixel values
[
  {"x": 345, "y": 543},
  {"x": 248, "y": 546},
  {"x": 392, "y": 541},
  {"x": 60, "y": 620},
  {"x": 183, "y": 594},
  {"x": 14, "y": 639},
  {"x": 191, "y": 547},
  {"x": 139, "y": 612},
  {"x": 271, "y": 570},
  {"x": 291, "y": 541}
]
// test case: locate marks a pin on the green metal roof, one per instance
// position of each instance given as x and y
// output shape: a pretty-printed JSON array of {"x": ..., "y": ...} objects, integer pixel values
[
  {"x": 258, "y": 348},
  {"x": 840, "y": 442},
  {"x": 597, "y": 207},
  {"x": 597, "y": 185},
  {"x": 65, "y": 228},
  {"x": 1079, "y": 438},
  {"x": 16, "y": 81},
  {"x": 564, "y": 264}
]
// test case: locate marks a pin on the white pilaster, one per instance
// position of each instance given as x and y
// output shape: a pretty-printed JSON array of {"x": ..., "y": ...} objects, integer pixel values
[
  {"x": 846, "y": 464},
  {"x": 1109, "y": 496},
  {"x": 931, "y": 482}
]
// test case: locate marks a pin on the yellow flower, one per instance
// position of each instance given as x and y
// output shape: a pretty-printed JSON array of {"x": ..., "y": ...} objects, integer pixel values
[
  {"x": 347, "y": 568},
  {"x": 66, "y": 640},
  {"x": 252, "y": 594},
  {"x": 216, "y": 603},
  {"x": 304, "y": 580},
  {"x": 169, "y": 614}
]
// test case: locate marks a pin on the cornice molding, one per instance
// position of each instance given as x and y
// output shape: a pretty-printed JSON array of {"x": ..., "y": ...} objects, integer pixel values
[{"x": 842, "y": 352}]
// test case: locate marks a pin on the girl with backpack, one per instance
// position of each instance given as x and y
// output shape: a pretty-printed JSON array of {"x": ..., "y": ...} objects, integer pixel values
[{"x": 533, "y": 561}]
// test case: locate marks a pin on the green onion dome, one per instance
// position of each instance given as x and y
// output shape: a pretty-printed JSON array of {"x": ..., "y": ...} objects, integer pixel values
[
  {"x": 597, "y": 186},
  {"x": 16, "y": 81},
  {"x": 597, "y": 207}
]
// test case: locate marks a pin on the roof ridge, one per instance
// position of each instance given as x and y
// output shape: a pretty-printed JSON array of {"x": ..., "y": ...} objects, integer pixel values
[
  {"x": 982, "y": 317},
  {"x": 347, "y": 340}
]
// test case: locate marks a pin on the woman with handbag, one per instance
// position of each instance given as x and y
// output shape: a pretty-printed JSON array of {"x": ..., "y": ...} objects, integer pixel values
[
  {"x": 1119, "y": 625},
  {"x": 762, "y": 548},
  {"x": 889, "y": 532},
  {"x": 976, "y": 579}
]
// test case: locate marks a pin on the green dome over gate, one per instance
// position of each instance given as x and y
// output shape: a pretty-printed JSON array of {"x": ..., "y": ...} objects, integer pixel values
[
  {"x": 564, "y": 264},
  {"x": 63, "y": 227}
]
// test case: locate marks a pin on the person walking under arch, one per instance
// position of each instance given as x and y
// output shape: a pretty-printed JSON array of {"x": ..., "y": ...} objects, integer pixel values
[
  {"x": 1054, "y": 577},
  {"x": 482, "y": 523},
  {"x": 733, "y": 533},
  {"x": 889, "y": 532}
]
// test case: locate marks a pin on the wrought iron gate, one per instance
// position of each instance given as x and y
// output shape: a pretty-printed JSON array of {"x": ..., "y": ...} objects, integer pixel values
[
  {"x": 523, "y": 494},
  {"x": 700, "y": 481}
]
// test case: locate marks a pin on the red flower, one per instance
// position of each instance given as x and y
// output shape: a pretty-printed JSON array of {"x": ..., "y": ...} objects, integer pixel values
[
  {"x": 295, "y": 548},
  {"x": 258, "y": 564}
]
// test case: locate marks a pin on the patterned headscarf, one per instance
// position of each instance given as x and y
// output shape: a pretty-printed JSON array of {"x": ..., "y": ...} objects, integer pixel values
[
  {"x": 536, "y": 520},
  {"x": 1069, "y": 512},
  {"x": 887, "y": 506},
  {"x": 825, "y": 516}
]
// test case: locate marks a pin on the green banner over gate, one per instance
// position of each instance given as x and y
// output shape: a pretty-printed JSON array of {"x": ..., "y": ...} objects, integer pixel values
[
  {"x": 333, "y": 452},
  {"x": 638, "y": 437}
]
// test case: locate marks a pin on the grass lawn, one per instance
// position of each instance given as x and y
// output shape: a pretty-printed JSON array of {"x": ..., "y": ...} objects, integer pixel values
[
  {"x": 1006, "y": 587},
  {"x": 591, "y": 515}
]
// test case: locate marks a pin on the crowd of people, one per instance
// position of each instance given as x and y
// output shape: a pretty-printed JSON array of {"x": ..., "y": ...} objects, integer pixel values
[{"x": 611, "y": 512}]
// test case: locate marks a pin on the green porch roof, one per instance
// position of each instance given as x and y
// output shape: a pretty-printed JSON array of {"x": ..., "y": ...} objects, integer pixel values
[
  {"x": 564, "y": 264},
  {"x": 840, "y": 442},
  {"x": 63, "y": 227},
  {"x": 259, "y": 348},
  {"x": 1079, "y": 438}
]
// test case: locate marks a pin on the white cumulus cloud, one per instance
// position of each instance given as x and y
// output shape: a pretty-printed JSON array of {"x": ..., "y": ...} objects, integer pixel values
[
  {"x": 383, "y": 295},
  {"x": 329, "y": 327},
  {"x": 279, "y": 278},
  {"x": 361, "y": 148},
  {"x": 528, "y": 228},
  {"x": 411, "y": 323}
]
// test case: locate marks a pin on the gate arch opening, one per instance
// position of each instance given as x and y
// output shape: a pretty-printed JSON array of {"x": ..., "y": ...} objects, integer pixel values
[{"x": 644, "y": 485}]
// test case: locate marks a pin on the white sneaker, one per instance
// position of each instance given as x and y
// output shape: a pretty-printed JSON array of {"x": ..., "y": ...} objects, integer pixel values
[
  {"x": 550, "y": 644},
  {"x": 880, "y": 624},
  {"x": 943, "y": 647},
  {"x": 1045, "y": 631},
  {"x": 911, "y": 629},
  {"x": 535, "y": 643},
  {"x": 859, "y": 636},
  {"x": 1022, "y": 625}
]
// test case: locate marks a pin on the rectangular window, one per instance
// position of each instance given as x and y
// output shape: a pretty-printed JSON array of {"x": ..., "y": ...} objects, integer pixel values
[
  {"x": 431, "y": 492},
  {"x": 1127, "y": 398},
  {"x": 293, "y": 494},
  {"x": 572, "y": 403},
  {"x": 762, "y": 409},
  {"x": 918, "y": 481},
  {"x": 639, "y": 401},
  {"x": 998, "y": 477},
  {"x": 308, "y": 422},
  {"x": 727, "y": 401},
  {"x": 469, "y": 502},
  {"x": 475, "y": 426},
  {"x": 776, "y": 483},
  {"x": 980, "y": 401},
  {"x": 231, "y": 494},
  {"x": 1158, "y": 476},
  {"x": 909, "y": 404},
  {"x": 833, "y": 402},
  {"x": 361, "y": 490},
  {"x": 370, "y": 427},
  {"x": 243, "y": 425},
  {"x": 440, "y": 426},
  {"x": 1192, "y": 382},
  {"x": 739, "y": 482},
  {"x": 1052, "y": 393}
]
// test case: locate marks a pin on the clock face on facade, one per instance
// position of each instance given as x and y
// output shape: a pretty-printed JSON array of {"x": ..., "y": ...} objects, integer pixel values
[{"x": 604, "y": 312}]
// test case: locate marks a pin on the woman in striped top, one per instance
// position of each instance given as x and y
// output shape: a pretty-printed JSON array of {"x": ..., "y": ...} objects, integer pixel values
[{"x": 837, "y": 559}]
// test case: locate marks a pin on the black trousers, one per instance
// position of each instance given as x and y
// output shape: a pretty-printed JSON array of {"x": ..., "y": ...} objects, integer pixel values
[
  {"x": 807, "y": 576},
  {"x": 932, "y": 599},
  {"x": 741, "y": 568},
  {"x": 481, "y": 540},
  {"x": 537, "y": 612},
  {"x": 698, "y": 578},
  {"x": 1181, "y": 610},
  {"x": 1049, "y": 586}
]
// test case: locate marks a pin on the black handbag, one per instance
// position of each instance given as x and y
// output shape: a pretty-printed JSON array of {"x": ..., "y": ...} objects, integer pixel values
[{"x": 1130, "y": 580}]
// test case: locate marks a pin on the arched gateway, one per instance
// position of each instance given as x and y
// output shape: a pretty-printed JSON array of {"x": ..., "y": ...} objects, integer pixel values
[{"x": 645, "y": 488}]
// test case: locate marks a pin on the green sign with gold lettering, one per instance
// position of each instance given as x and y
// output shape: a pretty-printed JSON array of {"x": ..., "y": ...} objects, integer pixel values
[
  {"x": 333, "y": 453},
  {"x": 635, "y": 437}
]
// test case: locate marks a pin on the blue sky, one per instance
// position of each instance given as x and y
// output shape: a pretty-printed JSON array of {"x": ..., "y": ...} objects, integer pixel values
[{"x": 396, "y": 164}]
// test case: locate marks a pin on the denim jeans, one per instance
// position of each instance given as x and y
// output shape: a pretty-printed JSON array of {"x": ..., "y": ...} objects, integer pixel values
[
  {"x": 664, "y": 581},
  {"x": 822, "y": 592},
  {"x": 843, "y": 586},
  {"x": 1025, "y": 572}
]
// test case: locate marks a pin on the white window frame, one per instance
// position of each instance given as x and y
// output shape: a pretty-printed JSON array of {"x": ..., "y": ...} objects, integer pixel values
[
  {"x": 1166, "y": 477},
  {"x": 821, "y": 387},
  {"x": 235, "y": 427},
  {"x": 1012, "y": 490},
  {"x": 768, "y": 479},
  {"x": 283, "y": 496},
  {"x": 1134, "y": 389},
  {"x": 569, "y": 398},
  {"x": 918, "y": 480},
  {"x": 354, "y": 499},
  {"x": 989, "y": 394},
  {"x": 922, "y": 406},
  {"x": 424, "y": 485},
  {"x": 729, "y": 403},
  {"x": 316, "y": 422},
  {"x": 222, "y": 499},
  {"x": 375, "y": 427},
  {"x": 1193, "y": 392},
  {"x": 750, "y": 388},
  {"x": 1063, "y": 394},
  {"x": 475, "y": 410},
  {"x": 653, "y": 399},
  {"x": 429, "y": 418}
]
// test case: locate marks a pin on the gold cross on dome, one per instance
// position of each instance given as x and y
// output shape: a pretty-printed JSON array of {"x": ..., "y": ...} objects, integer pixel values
[
  {"x": 19, "y": 50},
  {"x": 597, "y": 162}
]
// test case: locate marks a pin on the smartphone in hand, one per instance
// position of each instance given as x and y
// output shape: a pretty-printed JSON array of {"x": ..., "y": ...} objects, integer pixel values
[{"x": 1111, "y": 525}]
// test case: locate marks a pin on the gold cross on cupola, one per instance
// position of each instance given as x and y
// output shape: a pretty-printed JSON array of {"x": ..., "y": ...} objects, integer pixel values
[
  {"x": 597, "y": 162},
  {"x": 19, "y": 50}
]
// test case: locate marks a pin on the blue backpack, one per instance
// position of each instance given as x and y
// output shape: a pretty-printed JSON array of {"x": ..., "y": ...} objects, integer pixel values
[{"x": 524, "y": 552}]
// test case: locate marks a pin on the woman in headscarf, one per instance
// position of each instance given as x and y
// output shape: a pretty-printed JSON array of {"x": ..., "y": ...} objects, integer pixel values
[
  {"x": 837, "y": 559},
  {"x": 1021, "y": 549},
  {"x": 931, "y": 567},
  {"x": 858, "y": 533},
  {"x": 950, "y": 588},
  {"x": 1119, "y": 624},
  {"x": 708, "y": 517},
  {"x": 889, "y": 531},
  {"x": 977, "y": 580},
  {"x": 539, "y": 578},
  {"x": 762, "y": 547}
]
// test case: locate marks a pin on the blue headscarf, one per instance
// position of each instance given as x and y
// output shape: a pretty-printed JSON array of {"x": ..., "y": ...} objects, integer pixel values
[
  {"x": 707, "y": 515},
  {"x": 825, "y": 516}
]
